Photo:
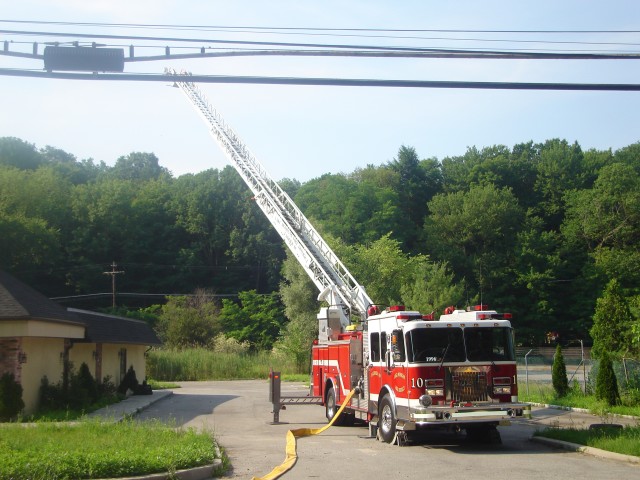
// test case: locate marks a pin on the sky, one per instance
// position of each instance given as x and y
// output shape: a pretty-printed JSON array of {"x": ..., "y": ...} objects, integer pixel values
[{"x": 303, "y": 132}]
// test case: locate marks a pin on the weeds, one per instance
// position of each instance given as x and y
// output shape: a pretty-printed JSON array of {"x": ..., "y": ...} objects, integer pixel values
[
  {"x": 625, "y": 440},
  {"x": 544, "y": 393},
  {"x": 96, "y": 450},
  {"x": 195, "y": 364}
]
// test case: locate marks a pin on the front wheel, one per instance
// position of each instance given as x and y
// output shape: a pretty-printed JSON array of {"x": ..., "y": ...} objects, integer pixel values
[{"x": 387, "y": 420}]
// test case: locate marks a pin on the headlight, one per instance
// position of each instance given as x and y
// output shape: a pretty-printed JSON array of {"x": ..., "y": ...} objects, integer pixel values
[
  {"x": 435, "y": 392},
  {"x": 502, "y": 390}
]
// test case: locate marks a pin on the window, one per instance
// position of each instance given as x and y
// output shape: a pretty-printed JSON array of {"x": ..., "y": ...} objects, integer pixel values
[
  {"x": 489, "y": 344},
  {"x": 435, "y": 345},
  {"x": 383, "y": 346},
  {"x": 374, "y": 345}
]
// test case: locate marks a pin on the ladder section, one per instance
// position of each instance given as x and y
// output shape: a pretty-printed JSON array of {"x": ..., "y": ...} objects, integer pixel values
[{"x": 328, "y": 273}]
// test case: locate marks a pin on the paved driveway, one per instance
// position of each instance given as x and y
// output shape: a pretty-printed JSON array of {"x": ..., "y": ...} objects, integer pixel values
[{"x": 239, "y": 415}]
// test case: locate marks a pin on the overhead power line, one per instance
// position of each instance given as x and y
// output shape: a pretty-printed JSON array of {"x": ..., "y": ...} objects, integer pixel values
[
  {"x": 304, "y": 33},
  {"x": 341, "y": 82},
  {"x": 320, "y": 29}
]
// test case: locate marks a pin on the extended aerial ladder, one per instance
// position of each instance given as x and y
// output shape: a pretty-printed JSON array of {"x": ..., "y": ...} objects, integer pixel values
[{"x": 336, "y": 285}]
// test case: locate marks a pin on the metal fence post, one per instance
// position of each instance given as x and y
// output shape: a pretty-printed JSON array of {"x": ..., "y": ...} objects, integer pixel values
[{"x": 526, "y": 369}]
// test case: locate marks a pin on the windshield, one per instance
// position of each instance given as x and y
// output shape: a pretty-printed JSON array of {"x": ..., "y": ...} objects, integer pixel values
[
  {"x": 436, "y": 345},
  {"x": 488, "y": 344}
]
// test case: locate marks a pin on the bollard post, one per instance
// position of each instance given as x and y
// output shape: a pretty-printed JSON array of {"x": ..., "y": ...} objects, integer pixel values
[{"x": 274, "y": 394}]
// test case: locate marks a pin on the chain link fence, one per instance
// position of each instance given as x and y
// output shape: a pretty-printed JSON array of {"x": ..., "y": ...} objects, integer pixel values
[{"x": 534, "y": 368}]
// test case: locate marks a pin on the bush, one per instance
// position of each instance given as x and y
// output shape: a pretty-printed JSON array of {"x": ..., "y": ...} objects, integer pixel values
[
  {"x": 11, "y": 403},
  {"x": 82, "y": 391},
  {"x": 606, "y": 383},
  {"x": 559, "y": 374},
  {"x": 223, "y": 344},
  {"x": 129, "y": 382}
]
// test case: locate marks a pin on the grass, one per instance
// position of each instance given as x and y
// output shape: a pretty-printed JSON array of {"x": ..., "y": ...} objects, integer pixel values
[
  {"x": 197, "y": 364},
  {"x": 544, "y": 393},
  {"x": 625, "y": 441},
  {"x": 70, "y": 414},
  {"x": 157, "y": 385},
  {"x": 99, "y": 450}
]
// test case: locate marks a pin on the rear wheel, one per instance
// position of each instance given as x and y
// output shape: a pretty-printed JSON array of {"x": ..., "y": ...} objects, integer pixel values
[
  {"x": 387, "y": 420},
  {"x": 332, "y": 408}
]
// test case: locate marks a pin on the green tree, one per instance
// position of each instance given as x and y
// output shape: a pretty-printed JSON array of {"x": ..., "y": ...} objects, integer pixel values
[
  {"x": 68, "y": 167},
  {"x": 559, "y": 374},
  {"x": 299, "y": 297},
  {"x": 540, "y": 274},
  {"x": 138, "y": 166},
  {"x": 207, "y": 207},
  {"x": 256, "y": 319},
  {"x": 559, "y": 170},
  {"x": 606, "y": 382},
  {"x": 189, "y": 321},
  {"x": 414, "y": 191},
  {"x": 612, "y": 323},
  {"x": 476, "y": 233},
  {"x": 26, "y": 242},
  {"x": 351, "y": 208},
  {"x": 606, "y": 220},
  {"x": 429, "y": 287},
  {"x": 380, "y": 266},
  {"x": 18, "y": 153}
]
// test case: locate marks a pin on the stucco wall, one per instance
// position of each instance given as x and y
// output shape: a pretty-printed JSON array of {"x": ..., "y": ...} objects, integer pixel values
[
  {"x": 111, "y": 361},
  {"x": 40, "y": 328},
  {"x": 43, "y": 358}
]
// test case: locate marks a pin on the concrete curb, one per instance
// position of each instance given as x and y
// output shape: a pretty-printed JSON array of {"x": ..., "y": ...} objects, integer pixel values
[
  {"x": 574, "y": 447},
  {"x": 198, "y": 473},
  {"x": 129, "y": 406},
  {"x": 581, "y": 410}
]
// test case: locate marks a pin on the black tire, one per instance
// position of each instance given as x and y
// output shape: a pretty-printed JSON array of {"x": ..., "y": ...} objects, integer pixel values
[
  {"x": 386, "y": 420},
  {"x": 332, "y": 408}
]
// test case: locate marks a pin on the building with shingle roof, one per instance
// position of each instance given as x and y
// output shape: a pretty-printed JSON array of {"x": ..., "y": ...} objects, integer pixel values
[{"x": 38, "y": 336}]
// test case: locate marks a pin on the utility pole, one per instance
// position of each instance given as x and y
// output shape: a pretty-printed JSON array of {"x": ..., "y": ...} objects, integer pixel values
[{"x": 113, "y": 274}]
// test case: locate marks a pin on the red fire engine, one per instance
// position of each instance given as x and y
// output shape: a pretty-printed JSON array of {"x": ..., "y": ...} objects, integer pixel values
[
  {"x": 409, "y": 370},
  {"x": 412, "y": 371}
]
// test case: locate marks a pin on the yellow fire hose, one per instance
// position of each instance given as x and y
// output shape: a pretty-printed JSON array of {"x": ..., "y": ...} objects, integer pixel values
[{"x": 291, "y": 456}]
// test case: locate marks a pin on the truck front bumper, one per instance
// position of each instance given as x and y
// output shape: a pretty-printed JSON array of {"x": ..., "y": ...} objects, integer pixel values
[{"x": 501, "y": 413}]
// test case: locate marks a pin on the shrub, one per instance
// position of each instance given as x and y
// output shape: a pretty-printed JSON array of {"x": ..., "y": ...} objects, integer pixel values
[
  {"x": 223, "y": 344},
  {"x": 129, "y": 382},
  {"x": 11, "y": 403},
  {"x": 559, "y": 374},
  {"x": 80, "y": 393},
  {"x": 83, "y": 390},
  {"x": 606, "y": 383}
]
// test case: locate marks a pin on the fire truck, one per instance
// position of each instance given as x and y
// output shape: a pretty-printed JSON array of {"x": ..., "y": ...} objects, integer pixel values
[
  {"x": 408, "y": 371},
  {"x": 412, "y": 372}
]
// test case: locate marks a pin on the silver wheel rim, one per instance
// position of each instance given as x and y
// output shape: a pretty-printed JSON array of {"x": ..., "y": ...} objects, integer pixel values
[{"x": 386, "y": 419}]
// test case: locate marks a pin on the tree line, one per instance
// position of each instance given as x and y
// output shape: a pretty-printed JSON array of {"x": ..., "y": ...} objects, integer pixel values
[{"x": 546, "y": 231}]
